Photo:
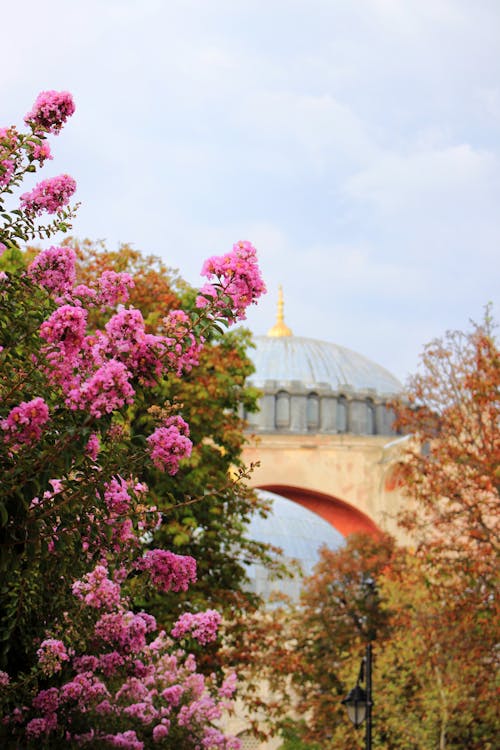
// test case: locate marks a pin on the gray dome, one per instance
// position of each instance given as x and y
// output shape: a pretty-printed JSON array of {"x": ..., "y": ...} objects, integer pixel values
[{"x": 318, "y": 363}]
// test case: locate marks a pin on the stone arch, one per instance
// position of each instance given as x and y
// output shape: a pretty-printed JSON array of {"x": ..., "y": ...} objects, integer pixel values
[{"x": 341, "y": 515}]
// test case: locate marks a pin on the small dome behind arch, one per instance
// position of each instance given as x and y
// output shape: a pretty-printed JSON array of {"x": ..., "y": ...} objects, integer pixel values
[{"x": 300, "y": 533}]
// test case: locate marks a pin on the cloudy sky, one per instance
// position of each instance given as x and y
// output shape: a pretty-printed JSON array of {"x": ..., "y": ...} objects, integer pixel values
[{"x": 354, "y": 142}]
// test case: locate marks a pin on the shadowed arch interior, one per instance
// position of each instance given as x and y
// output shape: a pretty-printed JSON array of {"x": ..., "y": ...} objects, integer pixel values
[{"x": 342, "y": 516}]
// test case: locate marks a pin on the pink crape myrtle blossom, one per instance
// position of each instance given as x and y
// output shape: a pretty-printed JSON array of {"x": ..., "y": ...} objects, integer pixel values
[
  {"x": 85, "y": 688},
  {"x": 54, "y": 269},
  {"x": 128, "y": 342},
  {"x": 66, "y": 326},
  {"x": 7, "y": 167},
  {"x": 40, "y": 152},
  {"x": 168, "y": 571},
  {"x": 228, "y": 687},
  {"x": 110, "y": 663},
  {"x": 160, "y": 731},
  {"x": 47, "y": 700},
  {"x": 105, "y": 391},
  {"x": 83, "y": 294},
  {"x": 50, "y": 111},
  {"x": 51, "y": 654},
  {"x": 113, "y": 287},
  {"x": 4, "y": 679},
  {"x": 117, "y": 497},
  {"x": 23, "y": 425},
  {"x": 238, "y": 278},
  {"x": 202, "y": 626},
  {"x": 97, "y": 590},
  {"x": 49, "y": 195},
  {"x": 183, "y": 352},
  {"x": 93, "y": 446},
  {"x": 125, "y": 631},
  {"x": 169, "y": 444},
  {"x": 36, "y": 727}
]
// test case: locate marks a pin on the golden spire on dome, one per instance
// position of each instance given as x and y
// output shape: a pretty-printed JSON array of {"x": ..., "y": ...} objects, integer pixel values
[{"x": 280, "y": 329}]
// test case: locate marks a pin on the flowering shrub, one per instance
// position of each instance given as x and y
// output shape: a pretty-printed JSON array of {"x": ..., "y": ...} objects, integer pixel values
[{"x": 80, "y": 665}]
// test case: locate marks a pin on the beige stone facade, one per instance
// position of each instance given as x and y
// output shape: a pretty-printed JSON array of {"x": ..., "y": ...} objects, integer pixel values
[{"x": 347, "y": 479}]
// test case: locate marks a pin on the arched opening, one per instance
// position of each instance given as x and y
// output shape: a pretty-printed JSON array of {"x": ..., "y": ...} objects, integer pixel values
[{"x": 342, "y": 516}]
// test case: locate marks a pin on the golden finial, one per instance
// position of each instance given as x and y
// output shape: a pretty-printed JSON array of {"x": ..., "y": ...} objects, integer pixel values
[{"x": 280, "y": 329}]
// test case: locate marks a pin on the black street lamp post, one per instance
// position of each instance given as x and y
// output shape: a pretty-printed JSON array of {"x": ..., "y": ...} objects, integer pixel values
[{"x": 359, "y": 701}]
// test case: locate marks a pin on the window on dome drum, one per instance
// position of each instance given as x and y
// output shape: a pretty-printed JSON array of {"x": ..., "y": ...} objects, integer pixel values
[
  {"x": 282, "y": 418},
  {"x": 341, "y": 414},
  {"x": 312, "y": 411},
  {"x": 370, "y": 417}
]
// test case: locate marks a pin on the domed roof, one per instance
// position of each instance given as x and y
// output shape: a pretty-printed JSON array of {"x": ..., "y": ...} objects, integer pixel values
[
  {"x": 316, "y": 363},
  {"x": 283, "y": 357}
]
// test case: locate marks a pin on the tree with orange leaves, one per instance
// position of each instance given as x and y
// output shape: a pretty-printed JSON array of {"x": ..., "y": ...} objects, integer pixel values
[{"x": 452, "y": 468}]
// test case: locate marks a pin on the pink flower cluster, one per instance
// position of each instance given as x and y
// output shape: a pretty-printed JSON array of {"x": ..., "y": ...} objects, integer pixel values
[
  {"x": 66, "y": 326},
  {"x": 51, "y": 654},
  {"x": 49, "y": 195},
  {"x": 107, "y": 390},
  {"x": 117, "y": 497},
  {"x": 202, "y": 626},
  {"x": 128, "y": 341},
  {"x": 113, "y": 287},
  {"x": 183, "y": 351},
  {"x": 169, "y": 444},
  {"x": 54, "y": 269},
  {"x": 125, "y": 631},
  {"x": 93, "y": 446},
  {"x": 7, "y": 167},
  {"x": 23, "y": 425},
  {"x": 40, "y": 152},
  {"x": 97, "y": 590},
  {"x": 168, "y": 571},
  {"x": 4, "y": 679},
  {"x": 239, "y": 282},
  {"x": 50, "y": 111}
]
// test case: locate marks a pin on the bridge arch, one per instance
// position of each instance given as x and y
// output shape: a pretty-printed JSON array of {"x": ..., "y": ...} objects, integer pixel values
[{"x": 339, "y": 514}]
